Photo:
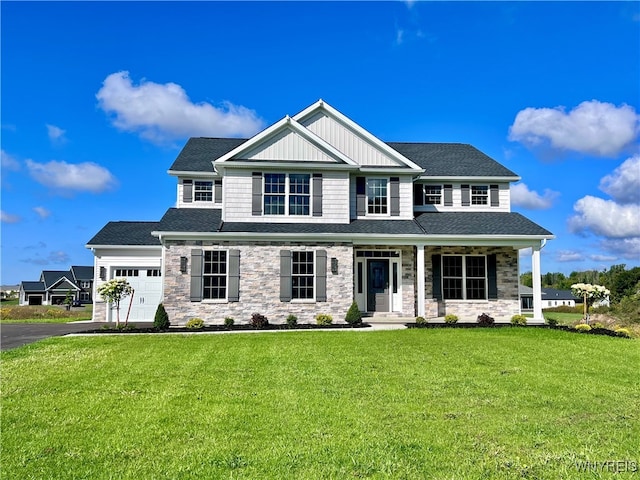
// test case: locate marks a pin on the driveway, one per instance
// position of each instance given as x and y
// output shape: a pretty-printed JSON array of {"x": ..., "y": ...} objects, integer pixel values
[{"x": 14, "y": 335}]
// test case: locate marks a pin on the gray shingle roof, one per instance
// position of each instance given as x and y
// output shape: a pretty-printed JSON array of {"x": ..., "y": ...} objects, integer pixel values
[
  {"x": 82, "y": 272},
  {"x": 50, "y": 277},
  {"x": 33, "y": 286},
  {"x": 126, "y": 233},
  {"x": 435, "y": 223},
  {"x": 452, "y": 159},
  {"x": 198, "y": 153},
  {"x": 438, "y": 159},
  {"x": 478, "y": 223}
]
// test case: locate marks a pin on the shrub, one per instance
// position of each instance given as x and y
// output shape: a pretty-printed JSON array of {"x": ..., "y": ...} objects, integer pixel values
[
  {"x": 195, "y": 324},
  {"x": 161, "y": 319},
  {"x": 324, "y": 319},
  {"x": 292, "y": 320},
  {"x": 485, "y": 320},
  {"x": 582, "y": 327},
  {"x": 623, "y": 332},
  {"x": 597, "y": 325},
  {"x": 354, "y": 315},
  {"x": 228, "y": 322},
  {"x": 518, "y": 320},
  {"x": 451, "y": 318},
  {"x": 552, "y": 322},
  {"x": 420, "y": 321},
  {"x": 259, "y": 321}
]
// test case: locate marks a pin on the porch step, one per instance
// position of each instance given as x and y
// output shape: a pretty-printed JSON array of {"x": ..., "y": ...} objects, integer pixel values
[{"x": 380, "y": 319}]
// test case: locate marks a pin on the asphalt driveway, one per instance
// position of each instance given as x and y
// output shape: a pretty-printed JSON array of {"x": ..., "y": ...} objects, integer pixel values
[{"x": 14, "y": 335}]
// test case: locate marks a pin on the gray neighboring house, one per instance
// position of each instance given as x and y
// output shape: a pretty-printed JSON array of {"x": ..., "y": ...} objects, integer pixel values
[
  {"x": 54, "y": 286},
  {"x": 314, "y": 213}
]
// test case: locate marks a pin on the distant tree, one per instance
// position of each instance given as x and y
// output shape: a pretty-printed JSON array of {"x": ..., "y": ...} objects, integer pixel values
[
  {"x": 114, "y": 291},
  {"x": 526, "y": 279}
]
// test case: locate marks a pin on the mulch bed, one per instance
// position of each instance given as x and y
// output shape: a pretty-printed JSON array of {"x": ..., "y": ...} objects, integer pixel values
[
  {"x": 222, "y": 328},
  {"x": 593, "y": 331}
]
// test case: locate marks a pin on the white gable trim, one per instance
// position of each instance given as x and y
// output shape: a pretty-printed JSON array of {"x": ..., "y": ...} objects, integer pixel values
[
  {"x": 331, "y": 112},
  {"x": 291, "y": 124}
]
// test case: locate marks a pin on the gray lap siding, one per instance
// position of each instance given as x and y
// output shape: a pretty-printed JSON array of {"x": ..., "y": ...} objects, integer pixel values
[{"x": 259, "y": 286}]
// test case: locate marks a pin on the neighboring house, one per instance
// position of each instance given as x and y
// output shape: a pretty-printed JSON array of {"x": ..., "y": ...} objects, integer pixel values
[
  {"x": 9, "y": 292},
  {"x": 526, "y": 298},
  {"x": 315, "y": 212},
  {"x": 552, "y": 297},
  {"x": 54, "y": 286}
]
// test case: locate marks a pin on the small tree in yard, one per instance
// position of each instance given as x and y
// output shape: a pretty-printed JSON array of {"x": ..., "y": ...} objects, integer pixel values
[
  {"x": 589, "y": 294},
  {"x": 114, "y": 291},
  {"x": 161, "y": 319},
  {"x": 354, "y": 315}
]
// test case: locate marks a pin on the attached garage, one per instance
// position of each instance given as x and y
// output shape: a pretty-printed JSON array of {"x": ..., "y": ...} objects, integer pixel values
[{"x": 147, "y": 293}]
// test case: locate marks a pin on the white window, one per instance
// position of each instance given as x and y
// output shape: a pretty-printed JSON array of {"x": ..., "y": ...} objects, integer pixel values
[
  {"x": 202, "y": 191},
  {"x": 433, "y": 194},
  {"x": 377, "y": 199},
  {"x": 287, "y": 194},
  {"x": 127, "y": 272},
  {"x": 215, "y": 275},
  {"x": 302, "y": 275},
  {"x": 479, "y": 195},
  {"x": 464, "y": 277}
]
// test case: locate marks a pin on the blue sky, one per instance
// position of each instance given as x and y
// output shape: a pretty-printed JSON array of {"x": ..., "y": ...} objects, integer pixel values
[{"x": 98, "y": 99}]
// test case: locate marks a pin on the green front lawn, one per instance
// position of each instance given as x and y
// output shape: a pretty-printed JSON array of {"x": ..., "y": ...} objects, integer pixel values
[{"x": 419, "y": 403}]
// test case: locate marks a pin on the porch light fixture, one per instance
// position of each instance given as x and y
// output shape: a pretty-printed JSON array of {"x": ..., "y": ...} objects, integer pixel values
[{"x": 183, "y": 264}]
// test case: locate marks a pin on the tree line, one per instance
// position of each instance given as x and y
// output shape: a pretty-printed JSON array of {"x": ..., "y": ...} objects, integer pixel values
[{"x": 622, "y": 282}]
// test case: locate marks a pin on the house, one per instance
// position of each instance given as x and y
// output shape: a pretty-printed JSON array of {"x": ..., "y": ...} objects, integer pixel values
[
  {"x": 9, "y": 292},
  {"x": 552, "y": 297},
  {"x": 315, "y": 212},
  {"x": 54, "y": 286}
]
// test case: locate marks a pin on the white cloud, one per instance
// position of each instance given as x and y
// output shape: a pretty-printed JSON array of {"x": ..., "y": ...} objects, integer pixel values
[
  {"x": 42, "y": 212},
  {"x": 623, "y": 185},
  {"x": 605, "y": 218},
  {"x": 8, "y": 162},
  {"x": 56, "y": 134},
  {"x": 163, "y": 112},
  {"x": 602, "y": 258},
  {"x": 595, "y": 128},
  {"x": 9, "y": 218},
  {"x": 523, "y": 197},
  {"x": 628, "y": 248},
  {"x": 569, "y": 256},
  {"x": 65, "y": 176}
]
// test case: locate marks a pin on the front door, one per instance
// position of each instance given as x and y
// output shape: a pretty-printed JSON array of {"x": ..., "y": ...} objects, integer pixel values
[{"x": 378, "y": 285}]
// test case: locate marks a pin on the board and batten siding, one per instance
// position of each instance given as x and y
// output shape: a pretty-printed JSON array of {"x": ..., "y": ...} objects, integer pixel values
[
  {"x": 238, "y": 199},
  {"x": 288, "y": 146},
  {"x": 347, "y": 141}
]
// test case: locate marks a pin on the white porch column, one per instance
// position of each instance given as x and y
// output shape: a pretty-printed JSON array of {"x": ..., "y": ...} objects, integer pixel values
[
  {"x": 420, "y": 279},
  {"x": 537, "y": 285}
]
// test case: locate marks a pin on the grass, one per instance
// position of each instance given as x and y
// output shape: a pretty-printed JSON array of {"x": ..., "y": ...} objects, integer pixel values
[
  {"x": 43, "y": 314},
  {"x": 432, "y": 403}
]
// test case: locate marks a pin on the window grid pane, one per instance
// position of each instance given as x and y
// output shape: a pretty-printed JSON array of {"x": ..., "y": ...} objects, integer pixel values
[
  {"x": 432, "y": 194},
  {"x": 479, "y": 195},
  {"x": 464, "y": 277},
  {"x": 215, "y": 275},
  {"x": 377, "y": 195},
  {"x": 299, "y": 194},
  {"x": 203, "y": 191},
  {"x": 302, "y": 275}
]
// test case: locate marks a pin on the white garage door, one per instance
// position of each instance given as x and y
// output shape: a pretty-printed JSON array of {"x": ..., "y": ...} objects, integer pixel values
[{"x": 147, "y": 294}]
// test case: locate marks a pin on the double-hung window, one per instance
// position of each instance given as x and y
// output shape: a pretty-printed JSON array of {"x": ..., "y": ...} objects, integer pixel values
[
  {"x": 302, "y": 275},
  {"x": 464, "y": 277},
  {"x": 433, "y": 194},
  {"x": 287, "y": 194},
  {"x": 377, "y": 199},
  {"x": 202, "y": 191},
  {"x": 479, "y": 195},
  {"x": 215, "y": 275}
]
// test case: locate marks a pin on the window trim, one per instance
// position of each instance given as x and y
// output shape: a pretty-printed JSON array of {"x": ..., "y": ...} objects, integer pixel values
[
  {"x": 475, "y": 196},
  {"x": 387, "y": 205},
  {"x": 203, "y": 188},
  {"x": 439, "y": 195},
  {"x": 206, "y": 275},
  {"x": 312, "y": 275},
  {"x": 464, "y": 278},
  {"x": 287, "y": 195}
]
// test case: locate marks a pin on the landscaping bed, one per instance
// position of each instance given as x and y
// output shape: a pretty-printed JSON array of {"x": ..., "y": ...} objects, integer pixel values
[
  {"x": 566, "y": 328},
  {"x": 223, "y": 328}
]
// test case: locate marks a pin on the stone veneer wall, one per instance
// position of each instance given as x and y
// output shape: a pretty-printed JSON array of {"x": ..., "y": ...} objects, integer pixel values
[
  {"x": 259, "y": 284},
  {"x": 502, "y": 309}
]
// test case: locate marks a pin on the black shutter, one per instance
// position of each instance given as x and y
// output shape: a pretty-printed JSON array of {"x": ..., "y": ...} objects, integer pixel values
[
  {"x": 361, "y": 196},
  {"x": 233, "y": 295},
  {"x": 495, "y": 195},
  {"x": 436, "y": 276},
  {"x": 418, "y": 194},
  {"x": 217, "y": 191},
  {"x": 196, "y": 275},
  {"x": 466, "y": 195},
  {"x": 285, "y": 275},
  {"x": 317, "y": 194},
  {"x": 187, "y": 191},
  {"x": 321, "y": 276},
  {"x": 394, "y": 189},
  {"x": 492, "y": 277},
  {"x": 256, "y": 193},
  {"x": 448, "y": 195}
]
